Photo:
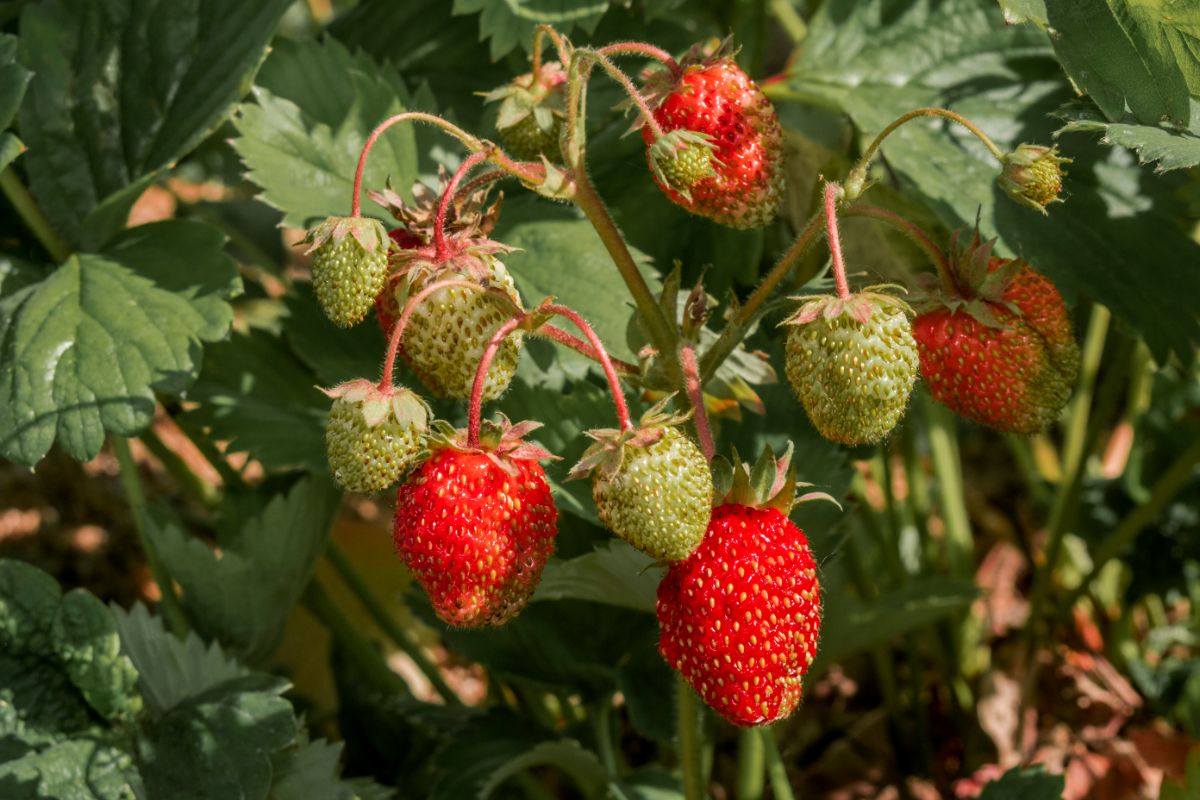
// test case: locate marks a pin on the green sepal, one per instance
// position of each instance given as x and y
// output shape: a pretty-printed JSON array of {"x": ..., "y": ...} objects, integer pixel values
[
  {"x": 666, "y": 157},
  {"x": 402, "y": 404},
  {"x": 607, "y": 452},
  {"x": 859, "y": 305},
  {"x": 369, "y": 232},
  {"x": 977, "y": 291},
  {"x": 770, "y": 483},
  {"x": 500, "y": 440}
]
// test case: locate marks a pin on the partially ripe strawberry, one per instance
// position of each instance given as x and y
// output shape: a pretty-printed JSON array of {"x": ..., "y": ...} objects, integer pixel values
[
  {"x": 476, "y": 525},
  {"x": 1033, "y": 175},
  {"x": 997, "y": 347},
  {"x": 652, "y": 485},
  {"x": 714, "y": 100},
  {"x": 374, "y": 437},
  {"x": 386, "y": 310},
  {"x": 852, "y": 363},
  {"x": 741, "y": 616},
  {"x": 532, "y": 112},
  {"x": 349, "y": 266}
]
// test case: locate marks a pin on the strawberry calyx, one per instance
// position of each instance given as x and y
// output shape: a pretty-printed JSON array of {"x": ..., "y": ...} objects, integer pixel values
[
  {"x": 501, "y": 441},
  {"x": 377, "y": 404},
  {"x": 469, "y": 215},
  {"x": 770, "y": 483},
  {"x": 980, "y": 281},
  {"x": 370, "y": 234},
  {"x": 608, "y": 450},
  {"x": 860, "y": 305},
  {"x": 525, "y": 96}
]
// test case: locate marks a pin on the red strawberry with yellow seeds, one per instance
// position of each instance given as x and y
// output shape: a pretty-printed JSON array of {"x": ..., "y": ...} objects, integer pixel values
[
  {"x": 476, "y": 525},
  {"x": 996, "y": 346},
  {"x": 374, "y": 436},
  {"x": 740, "y": 617},
  {"x": 729, "y": 145}
]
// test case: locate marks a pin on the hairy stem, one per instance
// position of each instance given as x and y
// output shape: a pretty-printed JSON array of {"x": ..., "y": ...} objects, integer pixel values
[
  {"x": 610, "y": 372},
  {"x": 689, "y": 741},
  {"x": 397, "y": 335},
  {"x": 910, "y": 229},
  {"x": 635, "y": 96},
  {"x": 560, "y": 44},
  {"x": 479, "y": 181},
  {"x": 408, "y": 116},
  {"x": 481, "y": 376},
  {"x": 835, "y": 240},
  {"x": 32, "y": 215},
  {"x": 442, "y": 252},
  {"x": 695, "y": 393},
  {"x": 642, "y": 49},
  {"x": 557, "y": 334}
]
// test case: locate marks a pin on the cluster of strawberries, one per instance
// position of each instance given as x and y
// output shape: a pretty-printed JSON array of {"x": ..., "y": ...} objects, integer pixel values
[{"x": 739, "y": 608}]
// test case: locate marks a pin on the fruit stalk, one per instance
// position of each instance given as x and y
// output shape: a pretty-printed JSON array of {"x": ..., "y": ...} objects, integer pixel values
[
  {"x": 560, "y": 46},
  {"x": 595, "y": 57},
  {"x": 835, "y": 240},
  {"x": 481, "y": 376},
  {"x": 641, "y": 49},
  {"x": 389, "y": 363},
  {"x": 414, "y": 116},
  {"x": 695, "y": 393},
  {"x": 689, "y": 741},
  {"x": 439, "y": 221},
  {"x": 914, "y": 233},
  {"x": 780, "y": 786},
  {"x": 610, "y": 372},
  {"x": 557, "y": 334}
]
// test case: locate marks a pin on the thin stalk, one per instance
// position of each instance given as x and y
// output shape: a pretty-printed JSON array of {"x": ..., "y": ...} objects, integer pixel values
[
  {"x": 397, "y": 335},
  {"x": 695, "y": 393},
  {"x": 192, "y": 483},
  {"x": 835, "y": 240},
  {"x": 480, "y": 181},
  {"x": 557, "y": 334},
  {"x": 910, "y": 229},
  {"x": 387, "y": 623},
  {"x": 689, "y": 741},
  {"x": 172, "y": 609},
  {"x": 610, "y": 371},
  {"x": 481, "y": 371},
  {"x": 790, "y": 20},
  {"x": 560, "y": 45},
  {"x": 642, "y": 49},
  {"x": 317, "y": 600},
  {"x": 601, "y": 719},
  {"x": 1019, "y": 447},
  {"x": 635, "y": 96},
  {"x": 441, "y": 251},
  {"x": 747, "y": 314},
  {"x": 751, "y": 763},
  {"x": 781, "y": 787},
  {"x": 32, "y": 215},
  {"x": 947, "y": 467},
  {"x": 408, "y": 116}
]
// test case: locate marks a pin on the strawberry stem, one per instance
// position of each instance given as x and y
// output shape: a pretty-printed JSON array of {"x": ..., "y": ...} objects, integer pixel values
[
  {"x": 481, "y": 371},
  {"x": 596, "y": 57},
  {"x": 695, "y": 393},
  {"x": 397, "y": 335},
  {"x": 480, "y": 181},
  {"x": 610, "y": 372},
  {"x": 642, "y": 49},
  {"x": 560, "y": 45},
  {"x": 915, "y": 234},
  {"x": 414, "y": 116},
  {"x": 557, "y": 334},
  {"x": 442, "y": 252},
  {"x": 835, "y": 240}
]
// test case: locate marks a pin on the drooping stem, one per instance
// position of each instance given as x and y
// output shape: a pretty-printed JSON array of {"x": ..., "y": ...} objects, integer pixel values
[
  {"x": 695, "y": 393},
  {"x": 408, "y": 116},
  {"x": 557, "y": 334},
  {"x": 397, "y": 335},
  {"x": 750, "y": 765},
  {"x": 910, "y": 229},
  {"x": 641, "y": 49},
  {"x": 748, "y": 313},
  {"x": 610, "y": 372},
  {"x": 835, "y": 240},
  {"x": 32, "y": 215},
  {"x": 560, "y": 46},
  {"x": 481, "y": 372},
  {"x": 479, "y": 181},
  {"x": 439, "y": 221},
  {"x": 172, "y": 609},
  {"x": 689, "y": 741},
  {"x": 781, "y": 787},
  {"x": 635, "y": 96}
]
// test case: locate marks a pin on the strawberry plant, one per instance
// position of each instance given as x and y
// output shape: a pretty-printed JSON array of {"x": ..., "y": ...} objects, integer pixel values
[{"x": 257, "y": 544}]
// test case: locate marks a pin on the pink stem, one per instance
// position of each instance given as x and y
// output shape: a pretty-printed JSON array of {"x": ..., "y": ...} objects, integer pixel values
[
  {"x": 385, "y": 383},
  {"x": 439, "y": 222},
  {"x": 835, "y": 241},
  {"x": 415, "y": 116},
  {"x": 691, "y": 382},
  {"x": 583, "y": 348},
  {"x": 481, "y": 376},
  {"x": 480, "y": 180},
  {"x": 642, "y": 49},
  {"x": 610, "y": 371}
]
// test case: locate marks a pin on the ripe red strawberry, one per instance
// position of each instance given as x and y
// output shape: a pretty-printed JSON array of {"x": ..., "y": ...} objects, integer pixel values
[
  {"x": 732, "y": 169},
  {"x": 476, "y": 525},
  {"x": 997, "y": 347},
  {"x": 740, "y": 617}
]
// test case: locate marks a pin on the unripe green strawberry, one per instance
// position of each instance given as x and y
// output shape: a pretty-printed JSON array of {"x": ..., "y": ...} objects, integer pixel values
[
  {"x": 681, "y": 159},
  {"x": 1033, "y": 175},
  {"x": 476, "y": 525},
  {"x": 532, "y": 112},
  {"x": 349, "y": 266},
  {"x": 652, "y": 485},
  {"x": 852, "y": 363},
  {"x": 373, "y": 436},
  {"x": 997, "y": 347}
]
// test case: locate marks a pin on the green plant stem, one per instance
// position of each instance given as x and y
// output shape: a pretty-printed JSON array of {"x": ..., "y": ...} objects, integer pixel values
[
  {"x": 387, "y": 623},
  {"x": 1019, "y": 447},
  {"x": 910, "y": 229},
  {"x": 172, "y": 609},
  {"x": 641, "y": 49},
  {"x": 689, "y": 741},
  {"x": 695, "y": 394},
  {"x": 947, "y": 467},
  {"x": 781, "y": 787},
  {"x": 560, "y": 46},
  {"x": 789, "y": 20},
  {"x": 192, "y": 483},
  {"x": 601, "y": 718},
  {"x": 317, "y": 600},
  {"x": 32, "y": 215},
  {"x": 748, "y": 313},
  {"x": 751, "y": 764},
  {"x": 635, "y": 96}
]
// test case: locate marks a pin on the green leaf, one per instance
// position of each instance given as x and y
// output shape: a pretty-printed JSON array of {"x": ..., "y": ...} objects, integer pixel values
[
  {"x": 10, "y": 148},
  {"x": 264, "y": 566},
  {"x": 650, "y": 784},
  {"x": 1032, "y": 783},
  {"x": 87, "y": 644},
  {"x": 616, "y": 575},
  {"x": 648, "y": 686},
  {"x": 13, "y": 80},
  {"x": 84, "y": 349},
  {"x": 1129, "y": 56},
  {"x": 511, "y": 23},
  {"x": 1166, "y": 148},
  {"x": 16, "y": 274},
  {"x": 851, "y": 625},
  {"x": 301, "y": 138},
  {"x": 219, "y": 744},
  {"x": 170, "y": 670},
  {"x": 309, "y": 770},
  {"x": 1020, "y": 11},
  {"x": 75, "y": 769},
  {"x": 334, "y": 354},
  {"x": 123, "y": 89}
]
